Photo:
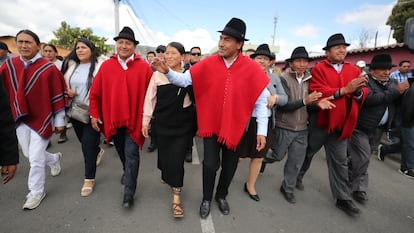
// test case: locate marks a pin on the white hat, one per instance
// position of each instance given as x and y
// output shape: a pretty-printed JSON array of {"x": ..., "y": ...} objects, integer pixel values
[{"x": 361, "y": 64}]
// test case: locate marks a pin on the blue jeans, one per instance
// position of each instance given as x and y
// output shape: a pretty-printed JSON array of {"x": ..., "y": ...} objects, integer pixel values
[
  {"x": 89, "y": 139},
  {"x": 407, "y": 148},
  {"x": 128, "y": 152}
]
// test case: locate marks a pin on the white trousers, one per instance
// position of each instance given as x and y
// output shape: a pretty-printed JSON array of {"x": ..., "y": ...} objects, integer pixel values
[{"x": 34, "y": 148}]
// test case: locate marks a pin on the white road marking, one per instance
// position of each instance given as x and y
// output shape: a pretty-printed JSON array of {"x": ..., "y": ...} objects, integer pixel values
[
  {"x": 196, "y": 158},
  {"x": 207, "y": 225}
]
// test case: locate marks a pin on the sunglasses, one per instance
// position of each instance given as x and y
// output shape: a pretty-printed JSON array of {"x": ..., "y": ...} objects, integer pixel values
[
  {"x": 196, "y": 54},
  {"x": 160, "y": 51}
]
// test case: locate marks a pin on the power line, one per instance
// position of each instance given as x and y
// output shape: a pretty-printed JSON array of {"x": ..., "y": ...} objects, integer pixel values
[
  {"x": 136, "y": 26},
  {"x": 139, "y": 21},
  {"x": 171, "y": 14}
]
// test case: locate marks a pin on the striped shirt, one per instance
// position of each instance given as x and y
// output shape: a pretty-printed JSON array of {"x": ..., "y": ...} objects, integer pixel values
[{"x": 397, "y": 75}]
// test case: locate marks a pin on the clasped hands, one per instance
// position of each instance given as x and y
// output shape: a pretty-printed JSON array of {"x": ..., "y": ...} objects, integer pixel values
[{"x": 355, "y": 85}]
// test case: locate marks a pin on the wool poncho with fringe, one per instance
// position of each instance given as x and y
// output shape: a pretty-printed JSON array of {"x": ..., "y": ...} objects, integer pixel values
[
  {"x": 117, "y": 96},
  {"x": 225, "y": 97},
  {"x": 344, "y": 116}
]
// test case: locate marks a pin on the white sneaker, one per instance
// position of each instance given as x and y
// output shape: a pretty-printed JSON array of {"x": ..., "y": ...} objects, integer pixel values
[
  {"x": 33, "y": 201},
  {"x": 99, "y": 157},
  {"x": 56, "y": 168}
]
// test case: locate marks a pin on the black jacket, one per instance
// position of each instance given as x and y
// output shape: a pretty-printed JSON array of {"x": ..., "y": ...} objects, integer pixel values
[
  {"x": 407, "y": 108},
  {"x": 379, "y": 98},
  {"x": 9, "y": 154}
]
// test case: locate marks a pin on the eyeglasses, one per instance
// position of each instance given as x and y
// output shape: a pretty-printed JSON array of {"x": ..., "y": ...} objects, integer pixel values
[{"x": 195, "y": 54}]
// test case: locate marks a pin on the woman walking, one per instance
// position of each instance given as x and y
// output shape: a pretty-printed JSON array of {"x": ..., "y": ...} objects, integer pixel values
[
  {"x": 79, "y": 69},
  {"x": 175, "y": 113}
]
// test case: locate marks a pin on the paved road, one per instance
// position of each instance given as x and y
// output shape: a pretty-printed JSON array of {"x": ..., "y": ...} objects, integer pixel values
[{"x": 390, "y": 208}]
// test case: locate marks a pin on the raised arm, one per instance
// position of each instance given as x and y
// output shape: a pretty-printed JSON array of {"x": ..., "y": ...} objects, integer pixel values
[{"x": 176, "y": 78}]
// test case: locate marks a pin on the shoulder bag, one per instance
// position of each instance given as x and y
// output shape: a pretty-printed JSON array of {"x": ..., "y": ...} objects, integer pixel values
[{"x": 78, "y": 110}]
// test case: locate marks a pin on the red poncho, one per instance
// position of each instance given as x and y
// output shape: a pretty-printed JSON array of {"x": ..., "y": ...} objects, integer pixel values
[
  {"x": 327, "y": 80},
  {"x": 36, "y": 93},
  {"x": 225, "y": 97},
  {"x": 117, "y": 96}
]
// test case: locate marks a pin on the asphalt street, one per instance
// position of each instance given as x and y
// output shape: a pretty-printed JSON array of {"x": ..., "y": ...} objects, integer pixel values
[{"x": 390, "y": 208}]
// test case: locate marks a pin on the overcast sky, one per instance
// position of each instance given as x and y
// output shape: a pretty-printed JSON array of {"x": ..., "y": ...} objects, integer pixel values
[{"x": 299, "y": 23}]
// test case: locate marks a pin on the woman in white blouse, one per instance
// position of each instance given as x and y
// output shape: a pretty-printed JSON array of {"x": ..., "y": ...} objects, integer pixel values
[{"x": 79, "y": 68}]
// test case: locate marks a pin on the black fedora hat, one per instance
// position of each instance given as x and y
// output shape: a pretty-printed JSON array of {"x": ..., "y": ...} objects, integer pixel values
[
  {"x": 126, "y": 33},
  {"x": 4, "y": 46},
  {"x": 299, "y": 52},
  {"x": 264, "y": 50},
  {"x": 235, "y": 28},
  {"x": 335, "y": 39},
  {"x": 381, "y": 61}
]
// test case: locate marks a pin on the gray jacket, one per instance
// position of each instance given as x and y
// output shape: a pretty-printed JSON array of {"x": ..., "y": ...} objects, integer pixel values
[{"x": 275, "y": 87}]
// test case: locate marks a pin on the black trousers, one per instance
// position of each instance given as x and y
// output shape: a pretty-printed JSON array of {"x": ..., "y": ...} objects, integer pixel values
[{"x": 211, "y": 163}]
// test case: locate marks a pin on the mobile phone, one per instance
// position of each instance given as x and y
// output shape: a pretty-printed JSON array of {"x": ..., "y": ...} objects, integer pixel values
[{"x": 363, "y": 74}]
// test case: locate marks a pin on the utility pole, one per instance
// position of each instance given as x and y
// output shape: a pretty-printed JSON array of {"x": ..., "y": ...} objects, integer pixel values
[
  {"x": 274, "y": 30},
  {"x": 389, "y": 36},
  {"x": 116, "y": 6}
]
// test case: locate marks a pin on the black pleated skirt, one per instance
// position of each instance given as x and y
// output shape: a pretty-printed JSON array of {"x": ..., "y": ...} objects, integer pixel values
[{"x": 248, "y": 142}]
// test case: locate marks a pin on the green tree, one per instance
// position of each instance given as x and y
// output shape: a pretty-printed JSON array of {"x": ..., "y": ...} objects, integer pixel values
[
  {"x": 403, "y": 10},
  {"x": 66, "y": 37}
]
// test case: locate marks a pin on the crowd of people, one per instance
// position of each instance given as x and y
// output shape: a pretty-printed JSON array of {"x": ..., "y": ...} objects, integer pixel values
[{"x": 237, "y": 103}]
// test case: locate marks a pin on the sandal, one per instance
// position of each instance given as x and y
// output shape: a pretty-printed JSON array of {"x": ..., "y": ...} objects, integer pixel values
[
  {"x": 87, "y": 187},
  {"x": 176, "y": 191},
  {"x": 177, "y": 210}
]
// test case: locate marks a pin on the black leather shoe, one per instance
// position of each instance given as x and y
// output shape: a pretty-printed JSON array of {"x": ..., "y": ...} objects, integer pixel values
[
  {"x": 348, "y": 207},
  {"x": 290, "y": 197},
  {"x": 360, "y": 196},
  {"x": 204, "y": 209},
  {"x": 189, "y": 155},
  {"x": 128, "y": 202},
  {"x": 151, "y": 148},
  {"x": 62, "y": 137},
  {"x": 223, "y": 206},
  {"x": 254, "y": 197},
  {"x": 299, "y": 185}
]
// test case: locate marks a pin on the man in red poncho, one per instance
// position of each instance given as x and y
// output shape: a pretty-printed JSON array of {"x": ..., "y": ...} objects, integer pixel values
[
  {"x": 36, "y": 91},
  {"x": 227, "y": 87},
  {"x": 345, "y": 85},
  {"x": 116, "y": 106}
]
